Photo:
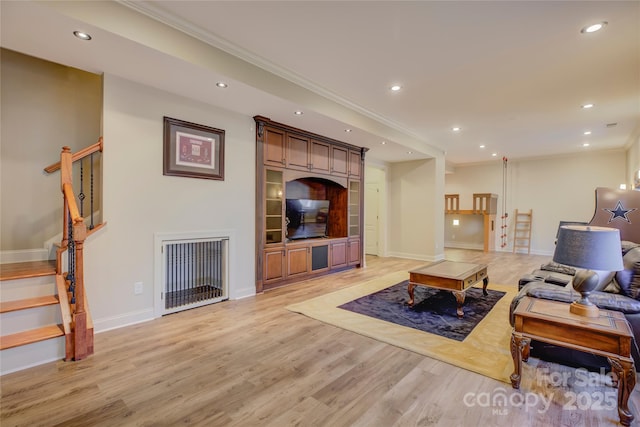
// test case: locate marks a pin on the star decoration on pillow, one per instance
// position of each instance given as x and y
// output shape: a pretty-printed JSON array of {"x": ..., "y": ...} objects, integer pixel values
[{"x": 620, "y": 212}]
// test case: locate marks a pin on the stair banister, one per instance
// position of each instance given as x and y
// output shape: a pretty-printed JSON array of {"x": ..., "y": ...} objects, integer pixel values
[
  {"x": 98, "y": 146},
  {"x": 74, "y": 235}
]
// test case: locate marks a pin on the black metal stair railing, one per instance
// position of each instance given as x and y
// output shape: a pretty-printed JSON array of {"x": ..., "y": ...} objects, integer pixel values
[
  {"x": 80, "y": 166},
  {"x": 71, "y": 260}
]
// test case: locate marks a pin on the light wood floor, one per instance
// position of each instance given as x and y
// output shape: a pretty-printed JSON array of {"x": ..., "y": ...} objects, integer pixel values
[{"x": 253, "y": 363}]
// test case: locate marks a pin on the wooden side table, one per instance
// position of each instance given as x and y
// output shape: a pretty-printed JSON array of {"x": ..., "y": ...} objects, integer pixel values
[{"x": 608, "y": 335}]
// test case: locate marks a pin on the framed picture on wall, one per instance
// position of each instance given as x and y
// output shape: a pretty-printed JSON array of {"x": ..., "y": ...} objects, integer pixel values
[{"x": 193, "y": 150}]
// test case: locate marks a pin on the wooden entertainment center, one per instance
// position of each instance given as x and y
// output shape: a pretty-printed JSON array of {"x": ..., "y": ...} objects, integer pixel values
[{"x": 295, "y": 164}]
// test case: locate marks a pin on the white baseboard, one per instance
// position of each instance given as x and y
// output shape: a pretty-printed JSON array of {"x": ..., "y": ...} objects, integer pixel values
[
  {"x": 462, "y": 245},
  {"x": 419, "y": 257},
  {"x": 127, "y": 319},
  {"x": 243, "y": 293}
]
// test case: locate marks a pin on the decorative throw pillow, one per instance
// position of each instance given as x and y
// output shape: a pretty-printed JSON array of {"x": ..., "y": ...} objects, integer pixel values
[
  {"x": 613, "y": 287},
  {"x": 558, "y": 268},
  {"x": 627, "y": 246},
  {"x": 604, "y": 278},
  {"x": 635, "y": 281},
  {"x": 629, "y": 278},
  {"x": 603, "y": 300}
]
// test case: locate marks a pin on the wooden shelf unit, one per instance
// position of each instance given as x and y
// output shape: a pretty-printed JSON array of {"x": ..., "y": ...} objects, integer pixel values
[{"x": 294, "y": 163}]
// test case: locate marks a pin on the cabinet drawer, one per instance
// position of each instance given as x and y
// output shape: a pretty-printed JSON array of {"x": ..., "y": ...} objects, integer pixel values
[{"x": 480, "y": 275}]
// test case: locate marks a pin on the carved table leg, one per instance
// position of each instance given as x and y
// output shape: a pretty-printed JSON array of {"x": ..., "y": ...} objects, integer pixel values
[
  {"x": 460, "y": 301},
  {"x": 410, "y": 290},
  {"x": 485, "y": 282},
  {"x": 626, "y": 372},
  {"x": 519, "y": 345},
  {"x": 525, "y": 353}
]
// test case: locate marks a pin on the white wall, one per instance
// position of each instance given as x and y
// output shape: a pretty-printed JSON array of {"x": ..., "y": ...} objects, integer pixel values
[
  {"x": 556, "y": 188},
  {"x": 140, "y": 201},
  {"x": 416, "y": 209},
  {"x": 44, "y": 107},
  {"x": 633, "y": 162}
]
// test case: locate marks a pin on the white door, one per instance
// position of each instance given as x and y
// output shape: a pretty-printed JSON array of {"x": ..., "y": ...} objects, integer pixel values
[{"x": 371, "y": 218}]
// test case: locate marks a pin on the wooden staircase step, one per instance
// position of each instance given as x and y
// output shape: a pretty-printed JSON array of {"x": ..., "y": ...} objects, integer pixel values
[
  {"x": 31, "y": 336},
  {"x": 23, "y": 304},
  {"x": 23, "y": 270}
]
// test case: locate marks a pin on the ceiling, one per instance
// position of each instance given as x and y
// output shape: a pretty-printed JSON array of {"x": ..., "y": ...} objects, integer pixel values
[{"x": 512, "y": 75}]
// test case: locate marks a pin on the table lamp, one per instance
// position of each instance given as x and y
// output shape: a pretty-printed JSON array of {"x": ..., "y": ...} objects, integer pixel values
[{"x": 591, "y": 248}]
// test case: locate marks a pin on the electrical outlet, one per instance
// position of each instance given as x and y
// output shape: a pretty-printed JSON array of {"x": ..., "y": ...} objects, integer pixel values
[{"x": 138, "y": 288}]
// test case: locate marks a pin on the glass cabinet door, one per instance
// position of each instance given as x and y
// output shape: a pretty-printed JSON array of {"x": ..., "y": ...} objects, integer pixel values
[
  {"x": 354, "y": 208},
  {"x": 274, "y": 192}
]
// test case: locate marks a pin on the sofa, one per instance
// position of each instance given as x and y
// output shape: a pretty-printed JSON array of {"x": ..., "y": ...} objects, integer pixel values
[{"x": 619, "y": 291}]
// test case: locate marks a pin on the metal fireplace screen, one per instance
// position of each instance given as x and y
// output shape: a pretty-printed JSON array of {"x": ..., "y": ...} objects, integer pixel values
[{"x": 195, "y": 273}]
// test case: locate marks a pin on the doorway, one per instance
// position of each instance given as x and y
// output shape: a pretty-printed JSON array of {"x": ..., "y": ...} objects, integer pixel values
[
  {"x": 374, "y": 210},
  {"x": 371, "y": 217}
]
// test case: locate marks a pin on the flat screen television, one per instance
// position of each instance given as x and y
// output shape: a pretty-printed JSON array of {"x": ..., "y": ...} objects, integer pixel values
[{"x": 306, "y": 218}]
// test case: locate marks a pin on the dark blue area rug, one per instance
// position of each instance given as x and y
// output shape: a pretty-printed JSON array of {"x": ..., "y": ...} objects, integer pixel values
[{"x": 434, "y": 310}]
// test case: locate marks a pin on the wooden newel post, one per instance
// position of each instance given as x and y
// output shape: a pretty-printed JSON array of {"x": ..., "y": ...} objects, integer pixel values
[
  {"x": 66, "y": 165},
  {"x": 66, "y": 162},
  {"x": 80, "y": 317}
]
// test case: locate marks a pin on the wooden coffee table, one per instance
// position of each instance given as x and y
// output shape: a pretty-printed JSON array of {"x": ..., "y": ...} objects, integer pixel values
[
  {"x": 452, "y": 276},
  {"x": 608, "y": 335}
]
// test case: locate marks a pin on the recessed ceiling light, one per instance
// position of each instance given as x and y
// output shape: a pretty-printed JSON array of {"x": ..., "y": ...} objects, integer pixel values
[
  {"x": 348, "y": 130},
  {"x": 594, "y": 27},
  {"x": 585, "y": 144},
  {"x": 222, "y": 85},
  {"x": 298, "y": 113},
  {"x": 482, "y": 146},
  {"x": 587, "y": 132},
  {"x": 409, "y": 152},
  {"x": 82, "y": 35},
  {"x": 587, "y": 106},
  {"x": 494, "y": 154},
  {"x": 383, "y": 142},
  {"x": 395, "y": 88},
  {"x": 455, "y": 129}
]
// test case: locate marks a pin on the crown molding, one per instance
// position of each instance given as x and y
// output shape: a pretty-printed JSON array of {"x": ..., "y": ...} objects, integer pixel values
[{"x": 250, "y": 57}]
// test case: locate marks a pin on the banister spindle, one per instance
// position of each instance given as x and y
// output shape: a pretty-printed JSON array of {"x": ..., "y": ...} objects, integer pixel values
[
  {"x": 81, "y": 195},
  {"x": 71, "y": 260},
  {"x": 91, "y": 225}
]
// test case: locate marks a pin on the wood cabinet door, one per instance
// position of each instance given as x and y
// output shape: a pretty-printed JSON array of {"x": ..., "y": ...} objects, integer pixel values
[
  {"x": 354, "y": 163},
  {"x": 273, "y": 269},
  {"x": 297, "y": 152},
  {"x": 354, "y": 251},
  {"x": 297, "y": 261},
  {"x": 338, "y": 254},
  {"x": 274, "y": 147},
  {"x": 319, "y": 154},
  {"x": 339, "y": 161}
]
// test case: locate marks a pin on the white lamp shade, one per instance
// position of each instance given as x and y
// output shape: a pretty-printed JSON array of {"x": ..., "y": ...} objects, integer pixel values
[{"x": 590, "y": 247}]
